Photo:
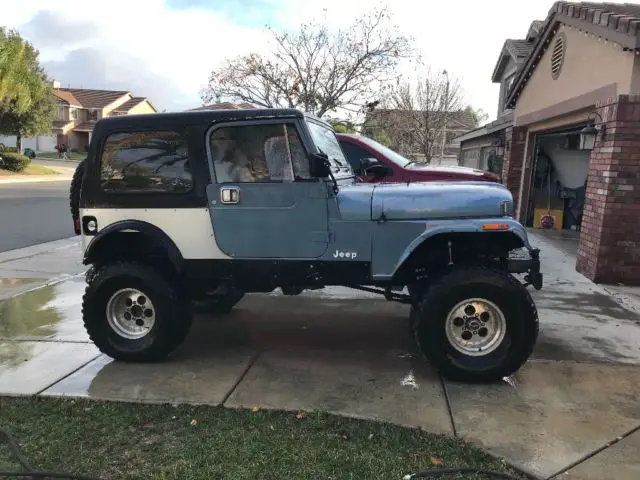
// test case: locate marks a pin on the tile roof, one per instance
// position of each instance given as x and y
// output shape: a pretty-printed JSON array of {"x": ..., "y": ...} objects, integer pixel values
[
  {"x": 85, "y": 127},
  {"x": 60, "y": 124},
  {"x": 534, "y": 29},
  {"x": 628, "y": 9},
  {"x": 519, "y": 48},
  {"x": 616, "y": 22},
  {"x": 94, "y": 98},
  {"x": 129, "y": 104},
  {"x": 623, "y": 18},
  {"x": 66, "y": 97}
]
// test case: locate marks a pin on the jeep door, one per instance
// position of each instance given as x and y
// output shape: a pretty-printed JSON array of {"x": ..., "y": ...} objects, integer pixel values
[{"x": 263, "y": 201}]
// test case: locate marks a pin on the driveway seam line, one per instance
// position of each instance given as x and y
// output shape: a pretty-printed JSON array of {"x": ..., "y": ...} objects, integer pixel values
[
  {"x": 595, "y": 452},
  {"x": 241, "y": 378},
  {"x": 68, "y": 375},
  {"x": 448, "y": 402},
  {"x": 41, "y": 340}
]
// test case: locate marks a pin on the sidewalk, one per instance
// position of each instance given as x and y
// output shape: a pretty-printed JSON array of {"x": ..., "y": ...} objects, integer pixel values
[
  {"x": 64, "y": 168},
  {"x": 29, "y": 268},
  {"x": 571, "y": 412}
]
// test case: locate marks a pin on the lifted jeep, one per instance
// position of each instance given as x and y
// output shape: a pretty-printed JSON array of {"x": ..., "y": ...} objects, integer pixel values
[{"x": 195, "y": 209}]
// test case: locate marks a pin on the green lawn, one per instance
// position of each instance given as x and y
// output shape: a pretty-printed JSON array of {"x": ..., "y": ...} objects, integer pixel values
[
  {"x": 54, "y": 155},
  {"x": 114, "y": 440},
  {"x": 30, "y": 170}
]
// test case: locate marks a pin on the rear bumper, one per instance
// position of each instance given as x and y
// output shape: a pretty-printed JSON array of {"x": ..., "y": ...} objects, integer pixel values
[{"x": 529, "y": 266}]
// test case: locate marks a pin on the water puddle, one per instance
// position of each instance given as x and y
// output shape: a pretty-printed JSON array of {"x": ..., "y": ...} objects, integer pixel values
[{"x": 47, "y": 313}]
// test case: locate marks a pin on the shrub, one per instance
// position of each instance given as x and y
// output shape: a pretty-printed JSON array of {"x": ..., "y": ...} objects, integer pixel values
[
  {"x": 2, "y": 147},
  {"x": 14, "y": 162}
]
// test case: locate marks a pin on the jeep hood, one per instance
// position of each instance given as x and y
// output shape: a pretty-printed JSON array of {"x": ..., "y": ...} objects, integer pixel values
[
  {"x": 424, "y": 201},
  {"x": 461, "y": 172}
]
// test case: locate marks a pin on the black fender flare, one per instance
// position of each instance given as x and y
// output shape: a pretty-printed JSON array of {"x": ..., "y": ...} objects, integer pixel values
[{"x": 154, "y": 233}]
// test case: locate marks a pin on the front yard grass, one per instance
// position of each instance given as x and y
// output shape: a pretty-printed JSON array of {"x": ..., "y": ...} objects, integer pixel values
[
  {"x": 118, "y": 440},
  {"x": 30, "y": 170}
]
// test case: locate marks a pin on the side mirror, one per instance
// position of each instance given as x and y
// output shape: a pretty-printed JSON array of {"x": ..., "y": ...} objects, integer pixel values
[
  {"x": 367, "y": 162},
  {"x": 320, "y": 166},
  {"x": 377, "y": 170}
]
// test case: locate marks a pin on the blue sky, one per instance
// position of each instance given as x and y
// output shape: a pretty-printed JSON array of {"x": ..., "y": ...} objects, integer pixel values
[
  {"x": 166, "y": 49},
  {"x": 248, "y": 13}
]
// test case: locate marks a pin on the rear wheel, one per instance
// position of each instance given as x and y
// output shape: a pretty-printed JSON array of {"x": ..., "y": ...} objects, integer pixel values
[
  {"x": 74, "y": 196},
  {"x": 133, "y": 313},
  {"x": 476, "y": 324}
]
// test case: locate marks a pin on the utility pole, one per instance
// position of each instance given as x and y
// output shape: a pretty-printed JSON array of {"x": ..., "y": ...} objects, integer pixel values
[{"x": 444, "y": 123}]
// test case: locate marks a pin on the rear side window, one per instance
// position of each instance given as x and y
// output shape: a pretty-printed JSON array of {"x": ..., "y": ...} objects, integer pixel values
[{"x": 145, "y": 162}]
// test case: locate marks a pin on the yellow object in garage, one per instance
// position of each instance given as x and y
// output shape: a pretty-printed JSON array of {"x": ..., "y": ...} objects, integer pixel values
[{"x": 541, "y": 218}]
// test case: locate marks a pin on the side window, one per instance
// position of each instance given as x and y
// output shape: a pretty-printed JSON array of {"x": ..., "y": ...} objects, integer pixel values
[
  {"x": 258, "y": 153},
  {"x": 354, "y": 154},
  {"x": 145, "y": 162}
]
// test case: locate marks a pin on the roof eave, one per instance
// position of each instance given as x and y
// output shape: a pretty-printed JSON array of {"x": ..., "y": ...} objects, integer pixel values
[
  {"x": 544, "y": 39},
  {"x": 497, "y": 70},
  {"x": 150, "y": 104},
  {"x": 624, "y": 39}
]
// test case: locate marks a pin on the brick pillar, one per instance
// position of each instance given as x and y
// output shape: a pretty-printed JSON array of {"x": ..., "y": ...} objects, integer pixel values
[
  {"x": 515, "y": 141},
  {"x": 609, "y": 249}
]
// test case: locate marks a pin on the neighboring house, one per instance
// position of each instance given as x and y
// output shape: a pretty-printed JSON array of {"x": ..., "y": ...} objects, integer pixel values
[
  {"x": 78, "y": 109},
  {"x": 570, "y": 136},
  {"x": 223, "y": 106},
  {"x": 419, "y": 134}
]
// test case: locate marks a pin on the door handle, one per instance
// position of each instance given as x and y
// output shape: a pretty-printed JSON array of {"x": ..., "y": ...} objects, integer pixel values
[{"x": 229, "y": 195}]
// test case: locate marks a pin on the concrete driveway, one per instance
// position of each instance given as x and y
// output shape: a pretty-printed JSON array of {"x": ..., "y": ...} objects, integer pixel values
[{"x": 572, "y": 411}]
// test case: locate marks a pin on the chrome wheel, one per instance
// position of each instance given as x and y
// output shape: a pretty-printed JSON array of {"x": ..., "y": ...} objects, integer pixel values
[
  {"x": 475, "y": 327},
  {"x": 130, "y": 313}
]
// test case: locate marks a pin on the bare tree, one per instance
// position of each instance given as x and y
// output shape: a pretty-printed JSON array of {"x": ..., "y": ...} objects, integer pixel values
[
  {"x": 315, "y": 69},
  {"x": 415, "y": 115}
]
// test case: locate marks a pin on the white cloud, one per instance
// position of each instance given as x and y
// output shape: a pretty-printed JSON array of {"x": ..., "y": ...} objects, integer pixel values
[
  {"x": 167, "y": 54},
  {"x": 142, "y": 45}
]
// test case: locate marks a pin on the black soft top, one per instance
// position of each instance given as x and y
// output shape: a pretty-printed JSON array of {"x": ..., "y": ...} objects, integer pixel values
[{"x": 192, "y": 118}]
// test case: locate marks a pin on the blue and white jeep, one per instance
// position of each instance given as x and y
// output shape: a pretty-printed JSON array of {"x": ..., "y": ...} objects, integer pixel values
[{"x": 194, "y": 209}]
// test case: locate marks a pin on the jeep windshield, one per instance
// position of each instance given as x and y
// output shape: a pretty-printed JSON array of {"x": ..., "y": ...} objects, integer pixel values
[{"x": 327, "y": 143}]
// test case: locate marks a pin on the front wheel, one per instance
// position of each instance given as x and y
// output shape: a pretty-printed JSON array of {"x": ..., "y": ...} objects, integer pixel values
[
  {"x": 133, "y": 313},
  {"x": 476, "y": 324}
]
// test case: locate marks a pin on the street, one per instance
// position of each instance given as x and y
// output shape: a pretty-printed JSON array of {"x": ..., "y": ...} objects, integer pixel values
[{"x": 33, "y": 213}]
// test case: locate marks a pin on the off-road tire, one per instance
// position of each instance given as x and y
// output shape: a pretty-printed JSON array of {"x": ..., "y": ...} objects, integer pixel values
[
  {"x": 74, "y": 192},
  {"x": 499, "y": 287},
  {"x": 219, "y": 305},
  {"x": 173, "y": 312}
]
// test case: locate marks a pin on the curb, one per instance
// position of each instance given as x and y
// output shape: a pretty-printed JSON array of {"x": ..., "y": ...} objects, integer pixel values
[
  {"x": 38, "y": 249},
  {"x": 57, "y": 160}
]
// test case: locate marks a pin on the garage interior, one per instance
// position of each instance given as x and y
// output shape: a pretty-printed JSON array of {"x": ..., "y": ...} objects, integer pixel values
[{"x": 559, "y": 180}]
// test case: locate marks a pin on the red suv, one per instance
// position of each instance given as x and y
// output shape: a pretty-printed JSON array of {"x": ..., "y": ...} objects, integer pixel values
[{"x": 373, "y": 162}]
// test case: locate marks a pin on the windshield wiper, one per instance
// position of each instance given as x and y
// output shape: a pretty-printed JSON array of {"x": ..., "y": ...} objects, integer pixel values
[
  {"x": 410, "y": 163},
  {"x": 342, "y": 166}
]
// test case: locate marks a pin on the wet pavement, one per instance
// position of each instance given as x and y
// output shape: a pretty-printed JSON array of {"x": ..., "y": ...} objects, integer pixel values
[
  {"x": 571, "y": 412},
  {"x": 28, "y": 268}
]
